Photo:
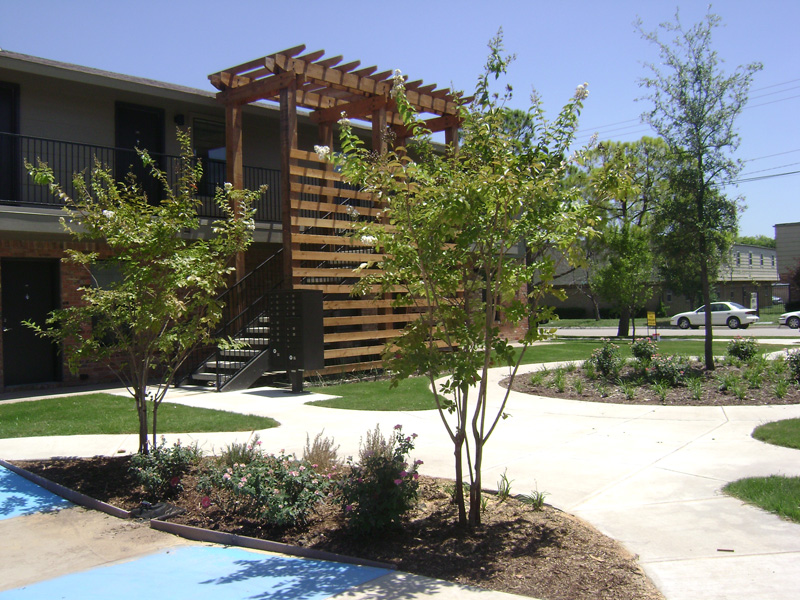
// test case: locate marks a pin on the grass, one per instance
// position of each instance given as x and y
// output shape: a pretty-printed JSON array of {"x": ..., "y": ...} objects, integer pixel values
[
  {"x": 90, "y": 414},
  {"x": 780, "y": 433},
  {"x": 410, "y": 394},
  {"x": 775, "y": 493},
  {"x": 414, "y": 393},
  {"x": 566, "y": 350}
]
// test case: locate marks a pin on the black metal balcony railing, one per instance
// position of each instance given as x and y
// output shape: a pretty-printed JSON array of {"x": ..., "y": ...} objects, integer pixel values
[{"x": 68, "y": 158}]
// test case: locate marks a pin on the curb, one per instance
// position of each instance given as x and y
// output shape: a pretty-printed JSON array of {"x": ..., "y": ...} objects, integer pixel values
[{"x": 189, "y": 532}]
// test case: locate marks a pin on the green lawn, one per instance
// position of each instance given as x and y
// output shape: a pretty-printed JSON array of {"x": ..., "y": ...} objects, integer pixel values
[
  {"x": 776, "y": 493},
  {"x": 410, "y": 394},
  {"x": 108, "y": 414},
  {"x": 781, "y": 433},
  {"x": 414, "y": 394},
  {"x": 566, "y": 350}
]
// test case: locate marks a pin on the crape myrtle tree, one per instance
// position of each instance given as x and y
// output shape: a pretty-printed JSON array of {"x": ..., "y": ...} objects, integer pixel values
[
  {"x": 162, "y": 302},
  {"x": 694, "y": 108},
  {"x": 625, "y": 181},
  {"x": 451, "y": 235}
]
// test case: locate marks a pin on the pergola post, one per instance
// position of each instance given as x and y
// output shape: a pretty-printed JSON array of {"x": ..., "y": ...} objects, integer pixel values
[
  {"x": 234, "y": 167},
  {"x": 379, "y": 130},
  {"x": 288, "y": 129}
]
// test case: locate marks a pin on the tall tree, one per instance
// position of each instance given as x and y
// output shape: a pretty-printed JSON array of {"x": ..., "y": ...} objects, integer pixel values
[
  {"x": 453, "y": 225},
  {"x": 625, "y": 183},
  {"x": 695, "y": 106},
  {"x": 163, "y": 302}
]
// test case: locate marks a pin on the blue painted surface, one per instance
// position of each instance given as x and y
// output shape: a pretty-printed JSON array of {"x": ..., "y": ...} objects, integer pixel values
[
  {"x": 18, "y": 496},
  {"x": 204, "y": 572}
]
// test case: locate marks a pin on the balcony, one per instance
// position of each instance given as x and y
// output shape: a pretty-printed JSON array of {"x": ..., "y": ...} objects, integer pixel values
[{"x": 68, "y": 158}]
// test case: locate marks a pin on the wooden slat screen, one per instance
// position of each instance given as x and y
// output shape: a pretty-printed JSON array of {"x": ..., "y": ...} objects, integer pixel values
[{"x": 324, "y": 256}]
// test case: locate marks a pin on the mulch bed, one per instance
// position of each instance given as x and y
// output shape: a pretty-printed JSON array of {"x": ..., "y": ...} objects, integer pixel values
[{"x": 545, "y": 554}]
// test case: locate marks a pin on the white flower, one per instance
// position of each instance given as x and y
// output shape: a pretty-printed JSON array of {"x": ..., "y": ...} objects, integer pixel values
[
  {"x": 322, "y": 151},
  {"x": 363, "y": 265},
  {"x": 592, "y": 140},
  {"x": 397, "y": 82},
  {"x": 344, "y": 120},
  {"x": 228, "y": 186},
  {"x": 108, "y": 213},
  {"x": 582, "y": 91},
  {"x": 368, "y": 239}
]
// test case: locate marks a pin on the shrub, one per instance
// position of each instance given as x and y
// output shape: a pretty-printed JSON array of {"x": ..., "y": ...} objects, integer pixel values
[
  {"x": 278, "y": 490},
  {"x": 241, "y": 453},
  {"x": 667, "y": 369},
  {"x": 382, "y": 486},
  {"x": 322, "y": 454},
  {"x": 643, "y": 350},
  {"x": 606, "y": 359},
  {"x": 793, "y": 362},
  {"x": 743, "y": 348},
  {"x": 160, "y": 471}
]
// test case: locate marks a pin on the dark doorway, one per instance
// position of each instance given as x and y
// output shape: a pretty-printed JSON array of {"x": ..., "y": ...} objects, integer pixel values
[
  {"x": 9, "y": 144},
  {"x": 30, "y": 291},
  {"x": 139, "y": 127}
]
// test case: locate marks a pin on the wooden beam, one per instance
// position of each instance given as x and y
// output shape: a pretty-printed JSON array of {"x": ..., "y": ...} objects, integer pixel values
[
  {"x": 329, "y": 62},
  {"x": 354, "y": 109},
  {"x": 351, "y": 257},
  {"x": 235, "y": 167},
  {"x": 258, "y": 90},
  {"x": 288, "y": 136},
  {"x": 379, "y": 143},
  {"x": 313, "y": 56},
  {"x": 442, "y": 123},
  {"x": 332, "y": 75},
  {"x": 293, "y": 51}
]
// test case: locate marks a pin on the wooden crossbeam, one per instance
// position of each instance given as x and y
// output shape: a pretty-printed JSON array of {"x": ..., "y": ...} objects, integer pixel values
[
  {"x": 435, "y": 124},
  {"x": 353, "y": 257},
  {"x": 258, "y": 90},
  {"x": 293, "y": 51},
  {"x": 330, "y": 62},
  {"x": 367, "y": 71},
  {"x": 349, "y": 66},
  {"x": 354, "y": 110},
  {"x": 313, "y": 56}
]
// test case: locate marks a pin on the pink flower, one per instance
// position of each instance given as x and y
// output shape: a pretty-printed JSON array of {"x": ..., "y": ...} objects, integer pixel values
[
  {"x": 417, "y": 462},
  {"x": 205, "y": 502},
  {"x": 348, "y": 508},
  {"x": 241, "y": 484},
  {"x": 294, "y": 473},
  {"x": 302, "y": 468},
  {"x": 398, "y": 426},
  {"x": 402, "y": 474},
  {"x": 416, "y": 476},
  {"x": 175, "y": 481},
  {"x": 226, "y": 476},
  {"x": 398, "y": 481}
]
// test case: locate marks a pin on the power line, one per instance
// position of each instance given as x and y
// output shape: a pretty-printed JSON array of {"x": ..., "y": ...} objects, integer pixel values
[
  {"x": 771, "y": 169},
  {"x": 759, "y": 178},
  {"x": 771, "y": 155}
]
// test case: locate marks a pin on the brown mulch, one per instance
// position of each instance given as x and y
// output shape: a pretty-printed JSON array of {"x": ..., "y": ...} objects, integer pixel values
[
  {"x": 600, "y": 390},
  {"x": 544, "y": 554}
]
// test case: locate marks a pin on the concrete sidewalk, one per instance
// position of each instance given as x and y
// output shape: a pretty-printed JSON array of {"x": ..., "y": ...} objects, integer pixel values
[{"x": 648, "y": 476}]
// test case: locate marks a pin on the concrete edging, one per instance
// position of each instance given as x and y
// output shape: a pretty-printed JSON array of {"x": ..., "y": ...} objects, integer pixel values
[{"x": 65, "y": 492}]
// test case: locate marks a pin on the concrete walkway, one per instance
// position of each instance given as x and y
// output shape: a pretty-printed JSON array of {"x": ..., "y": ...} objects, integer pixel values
[{"x": 648, "y": 476}]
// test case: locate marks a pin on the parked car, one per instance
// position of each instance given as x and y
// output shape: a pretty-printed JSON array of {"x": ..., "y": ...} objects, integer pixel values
[
  {"x": 731, "y": 314},
  {"x": 792, "y": 319},
  {"x": 777, "y": 300}
]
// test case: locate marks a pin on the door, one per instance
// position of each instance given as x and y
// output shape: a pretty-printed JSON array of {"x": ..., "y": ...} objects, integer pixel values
[
  {"x": 9, "y": 145},
  {"x": 139, "y": 127},
  {"x": 30, "y": 291}
]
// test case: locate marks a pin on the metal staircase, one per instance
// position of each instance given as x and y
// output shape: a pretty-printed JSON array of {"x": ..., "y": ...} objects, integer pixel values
[{"x": 245, "y": 325}]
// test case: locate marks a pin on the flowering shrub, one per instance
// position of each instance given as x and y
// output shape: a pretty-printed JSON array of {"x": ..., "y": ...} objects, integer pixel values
[
  {"x": 743, "y": 348},
  {"x": 643, "y": 350},
  {"x": 278, "y": 490},
  {"x": 793, "y": 361},
  {"x": 160, "y": 471},
  {"x": 242, "y": 453},
  {"x": 667, "y": 369},
  {"x": 606, "y": 359},
  {"x": 381, "y": 487}
]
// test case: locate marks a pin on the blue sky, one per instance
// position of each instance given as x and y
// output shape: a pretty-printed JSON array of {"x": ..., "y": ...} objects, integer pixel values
[{"x": 559, "y": 44}]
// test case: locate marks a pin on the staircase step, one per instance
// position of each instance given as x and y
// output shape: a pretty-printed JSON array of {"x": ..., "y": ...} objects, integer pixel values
[{"x": 228, "y": 365}]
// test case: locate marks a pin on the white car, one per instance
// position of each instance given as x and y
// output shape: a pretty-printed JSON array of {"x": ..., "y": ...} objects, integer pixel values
[
  {"x": 792, "y": 319},
  {"x": 731, "y": 314}
]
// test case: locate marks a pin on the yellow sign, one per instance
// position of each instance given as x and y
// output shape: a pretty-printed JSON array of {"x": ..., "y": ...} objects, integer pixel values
[{"x": 651, "y": 319}]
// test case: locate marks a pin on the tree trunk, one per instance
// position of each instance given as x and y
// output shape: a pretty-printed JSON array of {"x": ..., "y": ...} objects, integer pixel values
[
  {"x": 141, "y": 409},
  {"x": 459, "y": 491},
  {"x": 709, "y": 345},
  {"x": 475, "y": 487},
  {"x": 624, "y": 322}
]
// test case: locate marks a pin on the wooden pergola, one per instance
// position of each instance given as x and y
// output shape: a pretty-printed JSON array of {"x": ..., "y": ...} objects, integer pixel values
[{"x": 317, "y": 208}]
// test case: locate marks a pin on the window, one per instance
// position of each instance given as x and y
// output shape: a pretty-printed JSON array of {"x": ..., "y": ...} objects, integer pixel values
[
  {"x": 773, "y": 260},
  {"x": 762, "y": 260},
  {"x": 750, "y": 258},
  {"x": 738, "y": 259}
]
